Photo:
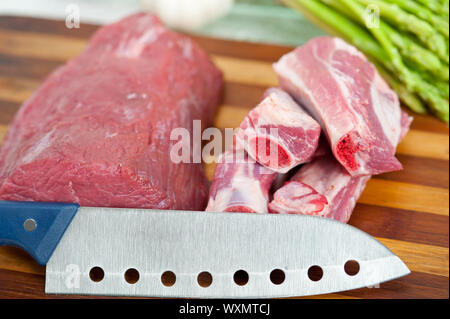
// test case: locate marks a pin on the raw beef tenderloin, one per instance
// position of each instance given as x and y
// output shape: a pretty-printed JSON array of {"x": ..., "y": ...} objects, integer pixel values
[{"x": 97, "y": 131}]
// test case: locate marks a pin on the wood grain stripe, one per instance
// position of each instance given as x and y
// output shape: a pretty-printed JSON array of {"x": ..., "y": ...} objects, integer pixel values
[
  {"x": 413, "y": 197},
  {"x": 416, "y": 286},
  {"x": 242, "y": 95},
  {"x": 427, "y": 123},
  {"x": 26, "y": 68},
  {"x": 420, "y": 258},
  {"x": 425, "y": 144},
  {"x": 16, "y": 259},
  {"x": 40, "y": 26},
  {"x": 420, "y": 170},
  {"x": 3, "y": 130},
  {"x": 402, "y": 225},
  {"x": 48, "y": 47},
  {"x": 7, "y": 111},
  {"x": 246, "y": 71},
  {"x": 16, "y": 90},
  {"x": 18, "y": 285},
  {"x": 228, "y": 116}
]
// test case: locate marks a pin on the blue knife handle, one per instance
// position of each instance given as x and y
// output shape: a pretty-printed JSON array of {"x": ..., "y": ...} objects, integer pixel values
[{"x": 35, "y": 227}]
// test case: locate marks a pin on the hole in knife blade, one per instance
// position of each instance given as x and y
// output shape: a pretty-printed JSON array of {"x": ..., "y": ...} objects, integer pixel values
[
  {"x": 315, "y": 273},
  {"x": 351, "y": 267},
  {"x": 277, "y": 276},
  {"x": 131, "y": 276},
  {"x": 96, "y": 274},
  {"x": 204, "y": 279},
  {"x": 168, "y": 278},
  {"x": 241, "y": 277}
]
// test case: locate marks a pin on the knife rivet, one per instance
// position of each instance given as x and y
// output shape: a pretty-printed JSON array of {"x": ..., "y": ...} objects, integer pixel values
[
  {"x": 29, "y": 225},
  {"x": 315, "y": 273},
  {"x": 240, "y": 277}
]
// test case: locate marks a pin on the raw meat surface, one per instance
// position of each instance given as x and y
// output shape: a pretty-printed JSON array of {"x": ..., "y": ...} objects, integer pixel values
[
  {"x": 329, "y": 178},
  {"x": 278, "y": 133},
  {"x": 97, "y": 131},
  {"x": 343, "y": 91},
  {"x": 326, "y": 176},
  {"x": 295, "y": 195},
  {"x": 240, "y": 184}
]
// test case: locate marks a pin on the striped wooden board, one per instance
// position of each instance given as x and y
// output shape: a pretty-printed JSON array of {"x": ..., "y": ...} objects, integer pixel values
[{"x": 408, "y": 211}]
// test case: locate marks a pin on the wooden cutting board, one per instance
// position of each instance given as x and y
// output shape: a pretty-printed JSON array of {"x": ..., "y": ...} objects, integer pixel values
[{"x": 408, "y": 211}]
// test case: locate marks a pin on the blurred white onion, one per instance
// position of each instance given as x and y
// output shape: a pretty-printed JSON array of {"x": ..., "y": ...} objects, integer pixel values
[{"x": 187, "y": 14}]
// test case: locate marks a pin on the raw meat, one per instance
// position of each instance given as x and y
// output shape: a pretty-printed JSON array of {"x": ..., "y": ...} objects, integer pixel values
[
  {"x": 298, "y": 198},
  {"x": 240, "y": 184},
  {"x": 343, "y": 91},
  {"x": 325, "y": 176},
  {"x": 278, "y": 133},
  {"x": 97, "y": 131}
]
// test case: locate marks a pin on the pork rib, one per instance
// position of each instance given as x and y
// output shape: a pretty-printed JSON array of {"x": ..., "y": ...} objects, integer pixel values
[
  {"x": 327, "y": 177},
  {"x": 278, "y": 133},
  {"x": 97, "y": 131},
  {"x": 343, "y": 91},
  {"x": 296, "y": 196},
  {"x": 240, "y": 184}
]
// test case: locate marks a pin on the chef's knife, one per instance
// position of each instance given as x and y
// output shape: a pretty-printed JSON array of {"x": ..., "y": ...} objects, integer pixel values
[{"x": 76, "y": 242}]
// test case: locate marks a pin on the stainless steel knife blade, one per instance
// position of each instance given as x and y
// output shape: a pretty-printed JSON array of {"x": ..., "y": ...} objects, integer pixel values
[{"x": 188, "y": 243}]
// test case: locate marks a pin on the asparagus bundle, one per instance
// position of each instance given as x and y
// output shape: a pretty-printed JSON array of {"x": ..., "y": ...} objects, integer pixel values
[{"x": 409, "y": 45}]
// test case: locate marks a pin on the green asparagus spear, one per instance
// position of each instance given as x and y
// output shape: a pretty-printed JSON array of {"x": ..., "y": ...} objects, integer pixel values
[
  {"x": 409, "y": 49},
  {"x": 408, "y": 22},
  {"x": 412, "y": 80},
  {"x": 412, "y": 51},
  {"x": 437, "y": 7},
  {"x": 441, "y": 86},
  {"x": 425, "y": 14},
  {"x": 350, "y": 31},
  {"x": 408, "y": 98}
]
